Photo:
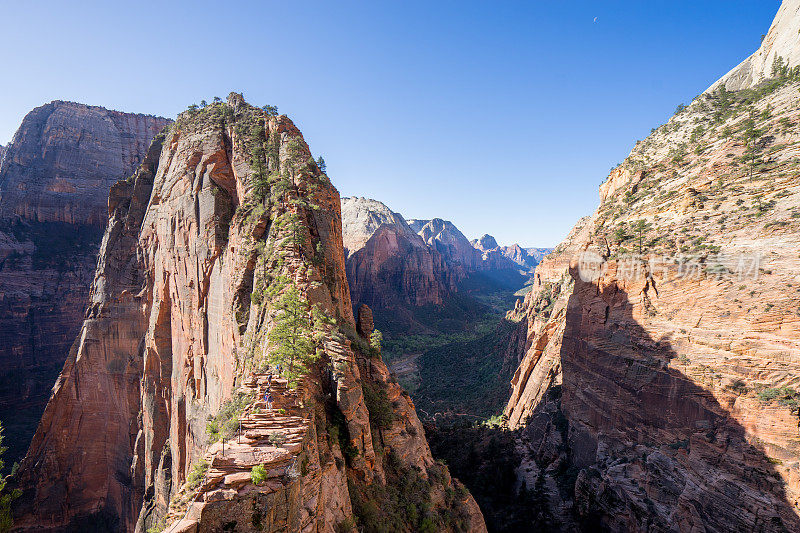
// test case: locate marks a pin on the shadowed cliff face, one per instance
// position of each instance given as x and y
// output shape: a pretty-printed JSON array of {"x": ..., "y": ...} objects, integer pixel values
[
  {"x": 678, "y": 364},
  {"x": 653, "y": 450},
  {"x": 54, "y": 183},
  {"x": 621, "y": 439},
  {"x": 214, "y": 231}
]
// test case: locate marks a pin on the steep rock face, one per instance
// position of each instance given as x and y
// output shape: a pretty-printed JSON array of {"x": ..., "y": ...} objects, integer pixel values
[
  {"x": 445, "y": 238},
  {"x": 485, "y": 243},
  {"x": 65, "y": 157},
  {"x": 54, "y": 183},
  {"x": 217, "y": 230},
  {"x": 387, "y": 262},
  {"x": 780, "y": 41},
  {"x": 659, "y": 359}
]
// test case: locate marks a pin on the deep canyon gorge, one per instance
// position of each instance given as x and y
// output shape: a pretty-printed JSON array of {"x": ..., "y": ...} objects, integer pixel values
[{"x": 197, "y": 334}]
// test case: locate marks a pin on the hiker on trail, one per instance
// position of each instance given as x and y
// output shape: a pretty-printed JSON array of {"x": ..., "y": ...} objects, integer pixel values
[{"x": 268, "y": 399}]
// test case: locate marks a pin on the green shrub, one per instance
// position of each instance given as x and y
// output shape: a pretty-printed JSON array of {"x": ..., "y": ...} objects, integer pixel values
[
  {"x": 226, "y": 423},
  {"x": 783, "y": 395},
  {"x": 258, "y": 474},
  {"x": 7, "y": 497},
  {"x": 739, "y": 387},
  {"x": 276, "y": 438},
  {"x": 403, "y": 504},
  {"x": 381, "y": 413},
  {"x": 197, "y": 474},
  {"x": 158, "y": 527},
  {"x": 375, "y": 340}
]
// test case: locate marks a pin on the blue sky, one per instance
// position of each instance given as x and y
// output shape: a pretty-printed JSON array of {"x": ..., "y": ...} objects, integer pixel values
[{"x": 503, "y": 117}]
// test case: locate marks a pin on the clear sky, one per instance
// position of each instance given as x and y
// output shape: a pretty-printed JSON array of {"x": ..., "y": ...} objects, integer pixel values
[{"x": 501, "y": 116}]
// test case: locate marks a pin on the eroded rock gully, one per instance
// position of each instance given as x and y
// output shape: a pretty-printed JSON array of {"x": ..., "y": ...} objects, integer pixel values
[{"x": 226, "y": 212}]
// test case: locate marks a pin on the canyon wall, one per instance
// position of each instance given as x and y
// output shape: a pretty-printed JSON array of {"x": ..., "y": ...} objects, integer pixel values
[
  {"x": 659, "y": 364},
  {"x": 391, "y": 261},
  {"x": 444, "y": 237},
  {"x": 227, "y": 235},
  {"x": 54, "y": 183},
  {"x": 388, "y": 262}
]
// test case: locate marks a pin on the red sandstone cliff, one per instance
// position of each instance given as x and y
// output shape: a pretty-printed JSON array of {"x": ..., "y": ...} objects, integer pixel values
[
  {"x": 227, "y": 212},
  {"x": 659, "y": 374},
  {"x": 447, "y": 239},
  {"x": 54, "y": 182},
  {"x": 387, "y": 262}
]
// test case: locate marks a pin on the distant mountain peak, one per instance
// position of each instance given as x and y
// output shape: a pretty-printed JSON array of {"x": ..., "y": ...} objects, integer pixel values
[
  {"x": 362, "y": 217},
  {"x": 487, "y": 242}
]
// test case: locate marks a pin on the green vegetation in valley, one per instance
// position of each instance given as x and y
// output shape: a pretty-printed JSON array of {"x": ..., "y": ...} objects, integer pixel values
[
  {"x": 459, "y": 357},
  {"x": 466, "y": 377}
]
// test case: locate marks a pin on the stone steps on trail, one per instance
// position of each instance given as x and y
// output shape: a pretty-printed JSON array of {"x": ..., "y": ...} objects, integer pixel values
[{"x": 229, "y": 473}]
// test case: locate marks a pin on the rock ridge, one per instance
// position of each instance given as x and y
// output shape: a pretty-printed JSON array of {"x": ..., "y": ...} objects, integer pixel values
[{"x": 227, "y": 218}]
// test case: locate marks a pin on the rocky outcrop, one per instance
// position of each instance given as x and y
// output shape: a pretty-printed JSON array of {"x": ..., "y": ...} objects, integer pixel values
[
  {"x": 485, "y": 243},
  {"x": 222, "y": 244},
  {"x": 658, "y": 383},
  {"x": 780, "y": 42},
  {"x": 54, "y": 183},
  {"x": 387, "y": 262},
  {"x": 538, "y": 253}
]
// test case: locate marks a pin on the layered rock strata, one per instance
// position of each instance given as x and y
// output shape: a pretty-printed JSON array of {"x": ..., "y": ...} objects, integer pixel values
[
  {"x": 659, "y": 375},
  {"x": 54, "y": 183},
  {"x": 387, "y": 262}
]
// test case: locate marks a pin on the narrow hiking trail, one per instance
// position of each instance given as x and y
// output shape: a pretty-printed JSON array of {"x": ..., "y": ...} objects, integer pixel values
[{"x": 273, "y": 439}]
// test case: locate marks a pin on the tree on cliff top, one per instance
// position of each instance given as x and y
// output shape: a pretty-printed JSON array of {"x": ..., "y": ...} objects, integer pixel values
[{"x": 292, "y": 336}]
